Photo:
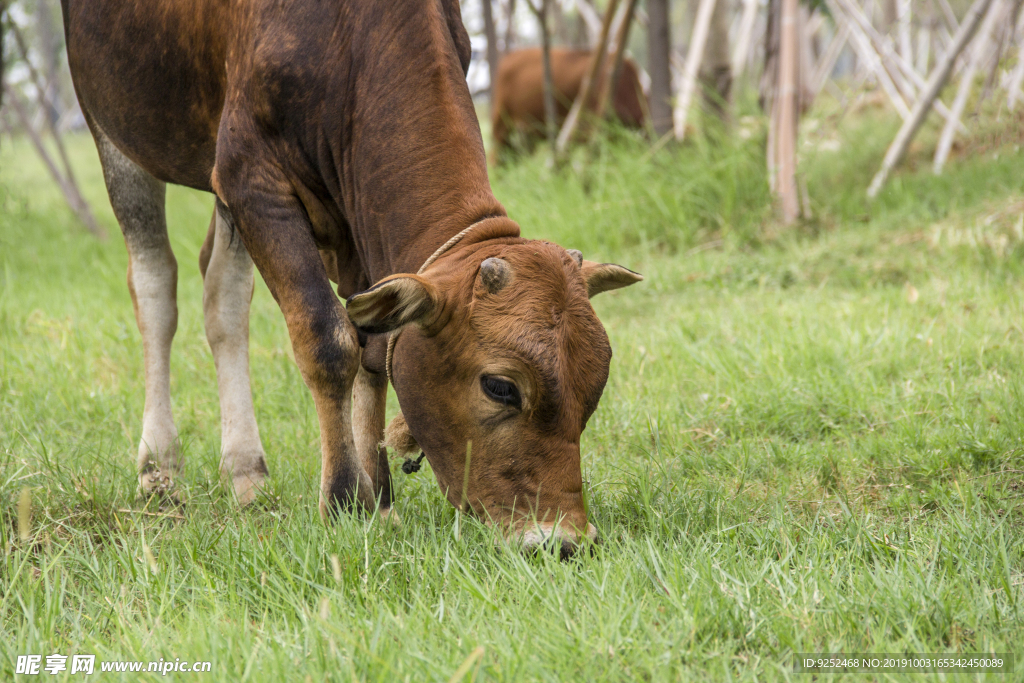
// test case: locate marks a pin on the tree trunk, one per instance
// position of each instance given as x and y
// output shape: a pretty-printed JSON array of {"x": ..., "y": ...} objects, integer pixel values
[
  {"x": 659, "y": 46},
  {"x": 492, "y": 45},
  {"x": 716, "y": 72}
]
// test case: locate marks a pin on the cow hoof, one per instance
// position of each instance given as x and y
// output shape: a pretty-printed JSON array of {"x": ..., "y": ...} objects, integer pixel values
[
  {"x": 390, "y": 515},
  {"x": 346, "y": 492},
  {"x": 247, "y": 472},
  {"x": 247, "y": 487},
  {"x": 154, "y": 482},
  {"x": 331, "y": 508}
]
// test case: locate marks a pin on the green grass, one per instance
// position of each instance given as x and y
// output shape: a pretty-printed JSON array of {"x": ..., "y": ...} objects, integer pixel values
[{"x": 811, "y": 441}]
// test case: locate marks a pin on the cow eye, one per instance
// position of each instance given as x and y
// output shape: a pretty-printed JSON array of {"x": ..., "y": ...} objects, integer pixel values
[{"x": 502, "y": 391}]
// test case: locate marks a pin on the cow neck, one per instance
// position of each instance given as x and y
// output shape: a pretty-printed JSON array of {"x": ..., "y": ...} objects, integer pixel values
[{"x": 438, "y": 253}]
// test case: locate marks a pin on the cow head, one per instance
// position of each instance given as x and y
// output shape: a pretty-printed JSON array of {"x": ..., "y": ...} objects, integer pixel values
[{"x": 502, "y": 361}]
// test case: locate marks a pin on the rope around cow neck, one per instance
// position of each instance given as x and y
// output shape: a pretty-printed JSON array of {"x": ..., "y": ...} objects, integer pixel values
[{"x": 393, "y": 337}]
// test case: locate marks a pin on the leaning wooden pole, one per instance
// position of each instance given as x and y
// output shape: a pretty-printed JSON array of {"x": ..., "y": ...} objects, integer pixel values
[
  {"x": 965, "y": 86},
  {"x": 904, "y": 76},
  {"x": 1016, "y": 79},
  {"x": 600, "y": 53},
  {"x": 744, "y": 37},
  {"x": 828, "y": 61},
  {"x": 936, "y": 81},
  {"x": 701, "y": 26},
  {"x": 67, "y": 186},
  {"x": 45, "y": 102},
  {"x": 609, "y": 85}
]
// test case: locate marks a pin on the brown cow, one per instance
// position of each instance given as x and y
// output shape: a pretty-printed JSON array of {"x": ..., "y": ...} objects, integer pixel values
[
  {"x": 341, "y": 142},
  {"x": 518, "y": 104}
]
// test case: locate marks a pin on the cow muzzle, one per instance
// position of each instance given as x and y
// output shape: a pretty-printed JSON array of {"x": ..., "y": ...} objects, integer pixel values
[{"x": 548, "y": 536}]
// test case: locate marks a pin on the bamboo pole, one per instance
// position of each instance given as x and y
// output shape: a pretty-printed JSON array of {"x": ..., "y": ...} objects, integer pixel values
[
  {"x": 1005, "y": 31},
  {"x": 600, "y": 52},
  {"x": 939, "y": 76},
  {"x": 744, "y": 37},
  {"x": 693, "y": 58},
  {"x": 906, "y": 48},
  {"x": 607, "y": 92},
  {"x": 616, "y": 26},
  {"x": 510, "y": 28},
  {"x": 829, "y": 59},
  {"x": 550, "y": 125},
  {"x": 590, "y": 17},
  {"x": 492, "y": 47},
  {"x": 966, "y": 83},
  {"x": 904, "y": 75},
  {"x": 807, "y": 25},
  {"x": 659, "y": 41},
  {"x": 1016, "y": 78},
  {"x": 923, "y": 56},
  {"x": 870, "y": 58},
  {"x": 786, "y": 120},
  {"x": 947, "y": 14}
]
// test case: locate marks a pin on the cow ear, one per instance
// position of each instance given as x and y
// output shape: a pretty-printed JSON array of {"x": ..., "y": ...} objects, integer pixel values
[
  {"x": 602, "y": 277},
  {"x": 393, "y": 302}
]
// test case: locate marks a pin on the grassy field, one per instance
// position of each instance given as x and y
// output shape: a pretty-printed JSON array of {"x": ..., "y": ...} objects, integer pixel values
[{"x": 811, "y": 441}]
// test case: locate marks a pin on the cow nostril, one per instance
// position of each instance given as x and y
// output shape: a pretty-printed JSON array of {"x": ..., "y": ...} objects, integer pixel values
[{"x": 568, "y": 549}]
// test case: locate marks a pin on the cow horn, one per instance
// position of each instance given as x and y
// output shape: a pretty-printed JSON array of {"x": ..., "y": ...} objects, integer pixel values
[
  {"x": 577, "y": 256},
  {"x": 495, "y": 273}
]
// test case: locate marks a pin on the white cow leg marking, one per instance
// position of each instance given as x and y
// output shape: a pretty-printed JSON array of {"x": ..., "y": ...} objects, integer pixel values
[
  {"x": 227, "y": 293},
  {"x": 138, "y": 202},
  {"x": 369, "y": 405},
  {"x": 152, "y": 281}
]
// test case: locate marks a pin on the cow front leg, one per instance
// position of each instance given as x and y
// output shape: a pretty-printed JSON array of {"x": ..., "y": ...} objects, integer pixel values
[
  {"x": 227, "y": 293},
  {"x": 327, "y": 352},
  {"x": 278, "y": 237},
  {"x": 368, "y": 415},
  {"x": 138, "y": 202}
]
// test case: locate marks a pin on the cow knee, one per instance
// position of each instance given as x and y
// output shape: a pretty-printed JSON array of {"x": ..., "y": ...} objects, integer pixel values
[{"x": 326, "y": 346}]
